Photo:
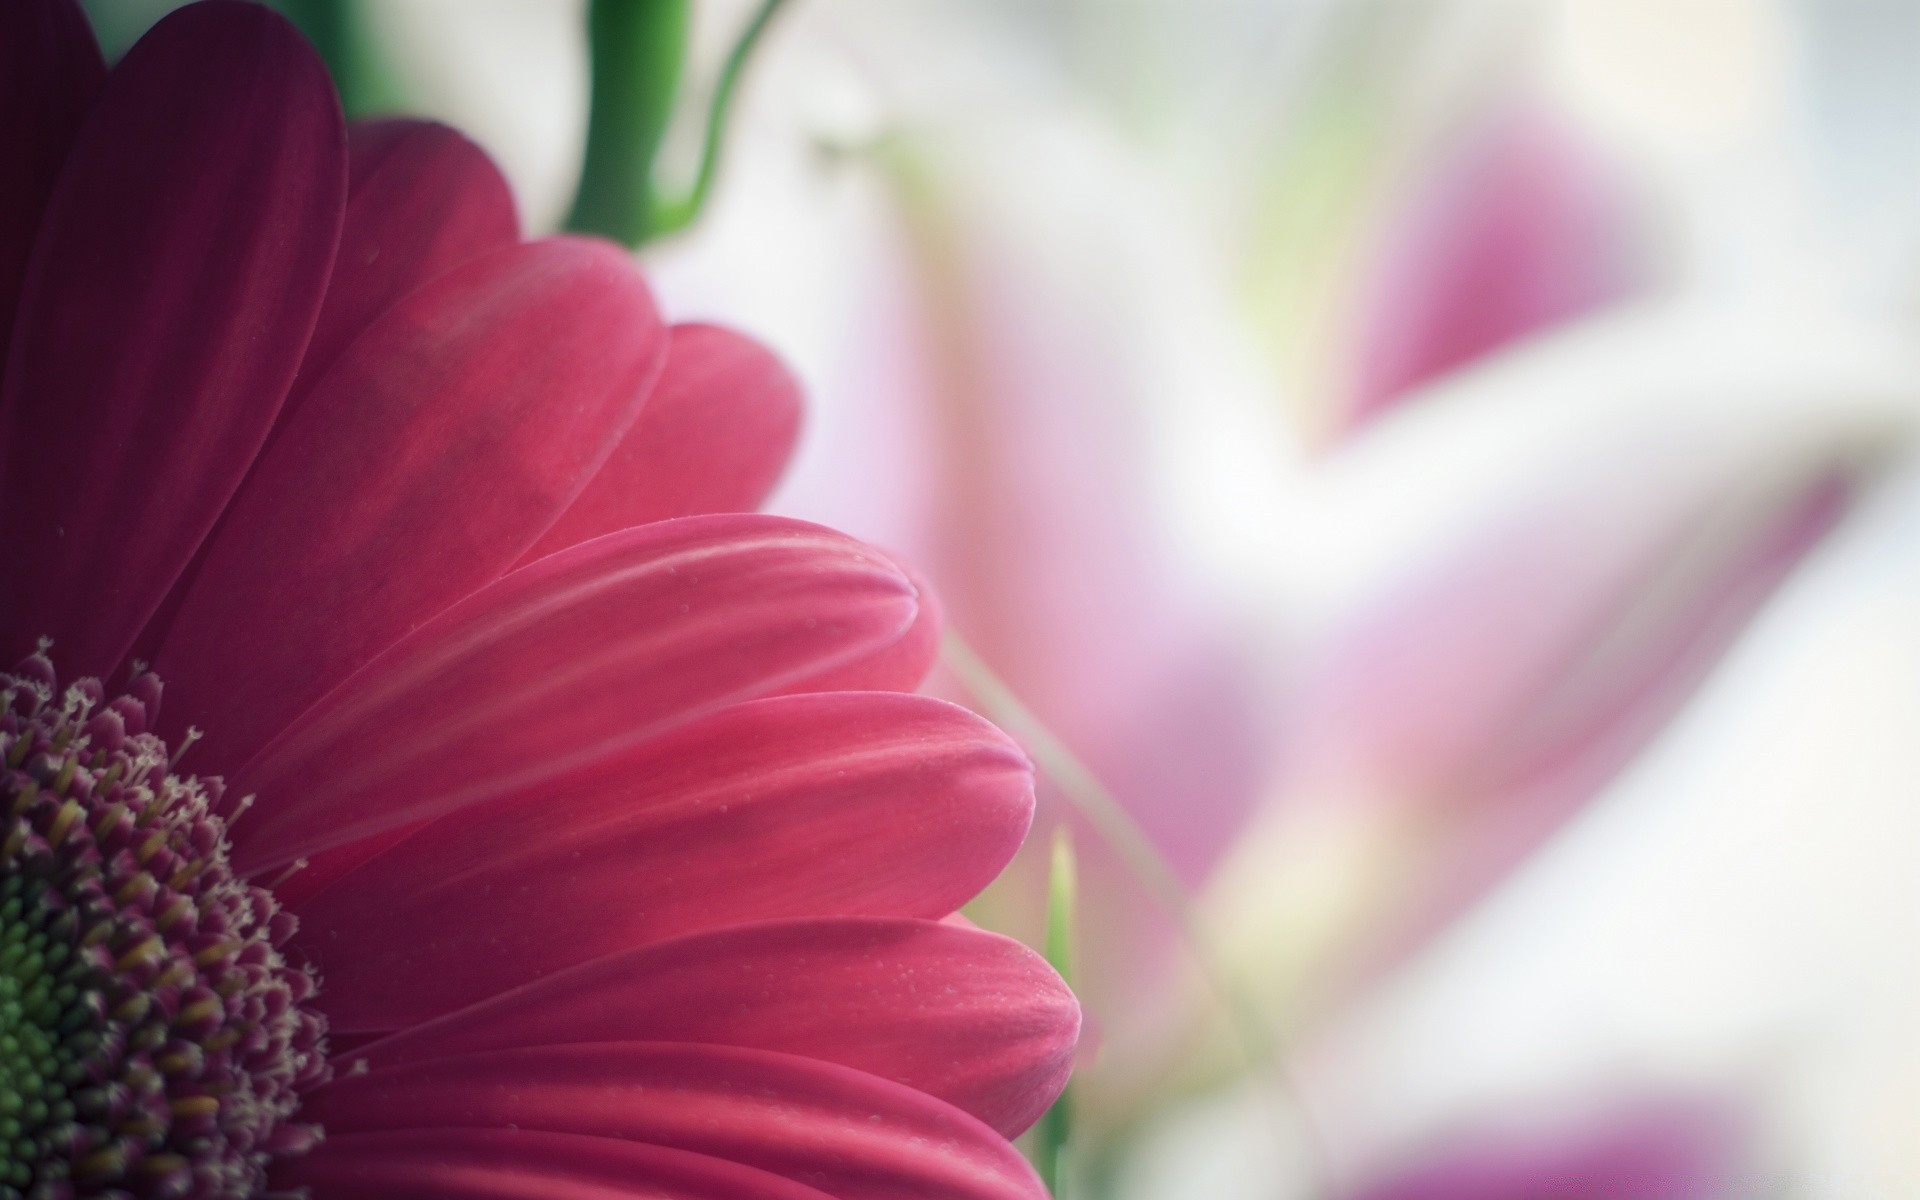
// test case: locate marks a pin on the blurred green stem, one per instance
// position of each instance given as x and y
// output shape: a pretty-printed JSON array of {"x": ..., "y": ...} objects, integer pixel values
[
  {"x": 338, "y": 30},
  {"x": 638, "y": 48},
  {"x": 671, "y": 217},
  {"x": 1054, "y": 1135},
  {"x": 1081, "y": 788},
  {"x": 1116, "y": 827},
  {"x": 638, "y": 52}
]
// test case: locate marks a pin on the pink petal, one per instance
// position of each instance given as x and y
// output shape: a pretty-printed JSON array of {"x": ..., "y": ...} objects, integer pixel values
[
  {"x": 177, "y": 276},
  {"x": 514, "y": 1164},
  {"x": 1557, "y": 776},
  {"x": 972, "y": 1018},
  {"x": 898, "y": 666},
  {"x": 997, "y": 375},
  {"x": 1496, "y": 690},
  {"x": 845, "y": 1132},
  {"x": 1548, "y": 648},
  {"x": 50, "y": 71},
  {"x": 816, "y": 805},
  {"x": 901, "y": 665},
  {"x": 421, "y": 200},
  {"x": 443, "y": 442},
  {"x": 715, "y": 434},
  {"x": 1520, "y": 228},
  {"x": 579, "y": 656},
  {"x": 1667, "y": 1152}
]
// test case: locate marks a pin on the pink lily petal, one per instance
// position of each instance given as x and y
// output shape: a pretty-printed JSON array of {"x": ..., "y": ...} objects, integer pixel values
[
  {"x": 515, "y": 1164},
  {"x": 581, "y": 655},
  {"x": 972, "y": 1018},
  {"x": 421, "y": 200},
  {"x": 443, "y": 442},
  {"x": 1494, "y": 693},
  {"x": 872, "y": 803},
  {"x": 1506, "y": 663},
  {"x": 1683, "y": 1154},
  {"x": 192, "y": 232},
  {"x": 716, "y": 432},
  {"x": 994, "y": 444},
  {"x": 851, "y": 1134},
  {"x": 1627, "y": 716},
  {"x": 1522, "y": 227},
  {"x": 50, "y": 72}
]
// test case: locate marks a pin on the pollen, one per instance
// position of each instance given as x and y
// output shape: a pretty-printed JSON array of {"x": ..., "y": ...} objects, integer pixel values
[{"x": 155, "y": 1039}]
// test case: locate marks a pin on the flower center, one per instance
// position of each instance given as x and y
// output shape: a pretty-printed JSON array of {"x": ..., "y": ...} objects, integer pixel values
[{"x": 153, "y": 1039}]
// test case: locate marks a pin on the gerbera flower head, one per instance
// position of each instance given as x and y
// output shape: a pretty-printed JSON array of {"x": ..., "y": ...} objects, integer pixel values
[
  {"x": 150, "y": 1024},
  {"x": 550, "y": 824}
]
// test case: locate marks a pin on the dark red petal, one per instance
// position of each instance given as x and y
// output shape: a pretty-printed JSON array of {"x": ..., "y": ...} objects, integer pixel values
[
  {"x": 177, "y": 276},
  {"x": 50, "y": 71},
  {"x": 514, "y": 1164},
  {"x": 320, "y": 871},
  {"x": 579, "y": 656},
  {"x": 421, "y": 200},
  {"x": 869, "y": 803},
  {"x": 442, "y": 443},
  {"x": 975, "y": 1019},
  {"x": 850, "y": 1134},
  {"x": 715, "y": 434}
]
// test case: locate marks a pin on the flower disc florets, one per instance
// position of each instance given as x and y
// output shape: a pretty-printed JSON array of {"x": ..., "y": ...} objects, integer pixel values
[{"x": 153, "y": 1039}]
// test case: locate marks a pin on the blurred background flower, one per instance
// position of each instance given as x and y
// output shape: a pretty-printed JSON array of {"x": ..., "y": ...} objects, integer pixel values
[{"x": 1442, "y": 469}]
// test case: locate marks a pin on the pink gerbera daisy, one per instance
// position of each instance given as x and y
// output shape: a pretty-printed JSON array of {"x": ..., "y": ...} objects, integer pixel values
[{"x": 554, "y": 834}]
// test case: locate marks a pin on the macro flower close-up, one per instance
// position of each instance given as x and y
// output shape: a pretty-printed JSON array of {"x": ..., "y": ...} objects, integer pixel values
[
  {"x": 959, "y": 600},
  {"x": 425, "y": 774}
]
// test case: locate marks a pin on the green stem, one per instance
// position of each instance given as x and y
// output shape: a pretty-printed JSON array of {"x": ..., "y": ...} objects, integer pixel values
[
  {"x": 637, "y": 50},
  {"x": 670, "y": 217},
  {"x": 1054, "y": 1134},
  {"x": 338, "y": 30}
]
